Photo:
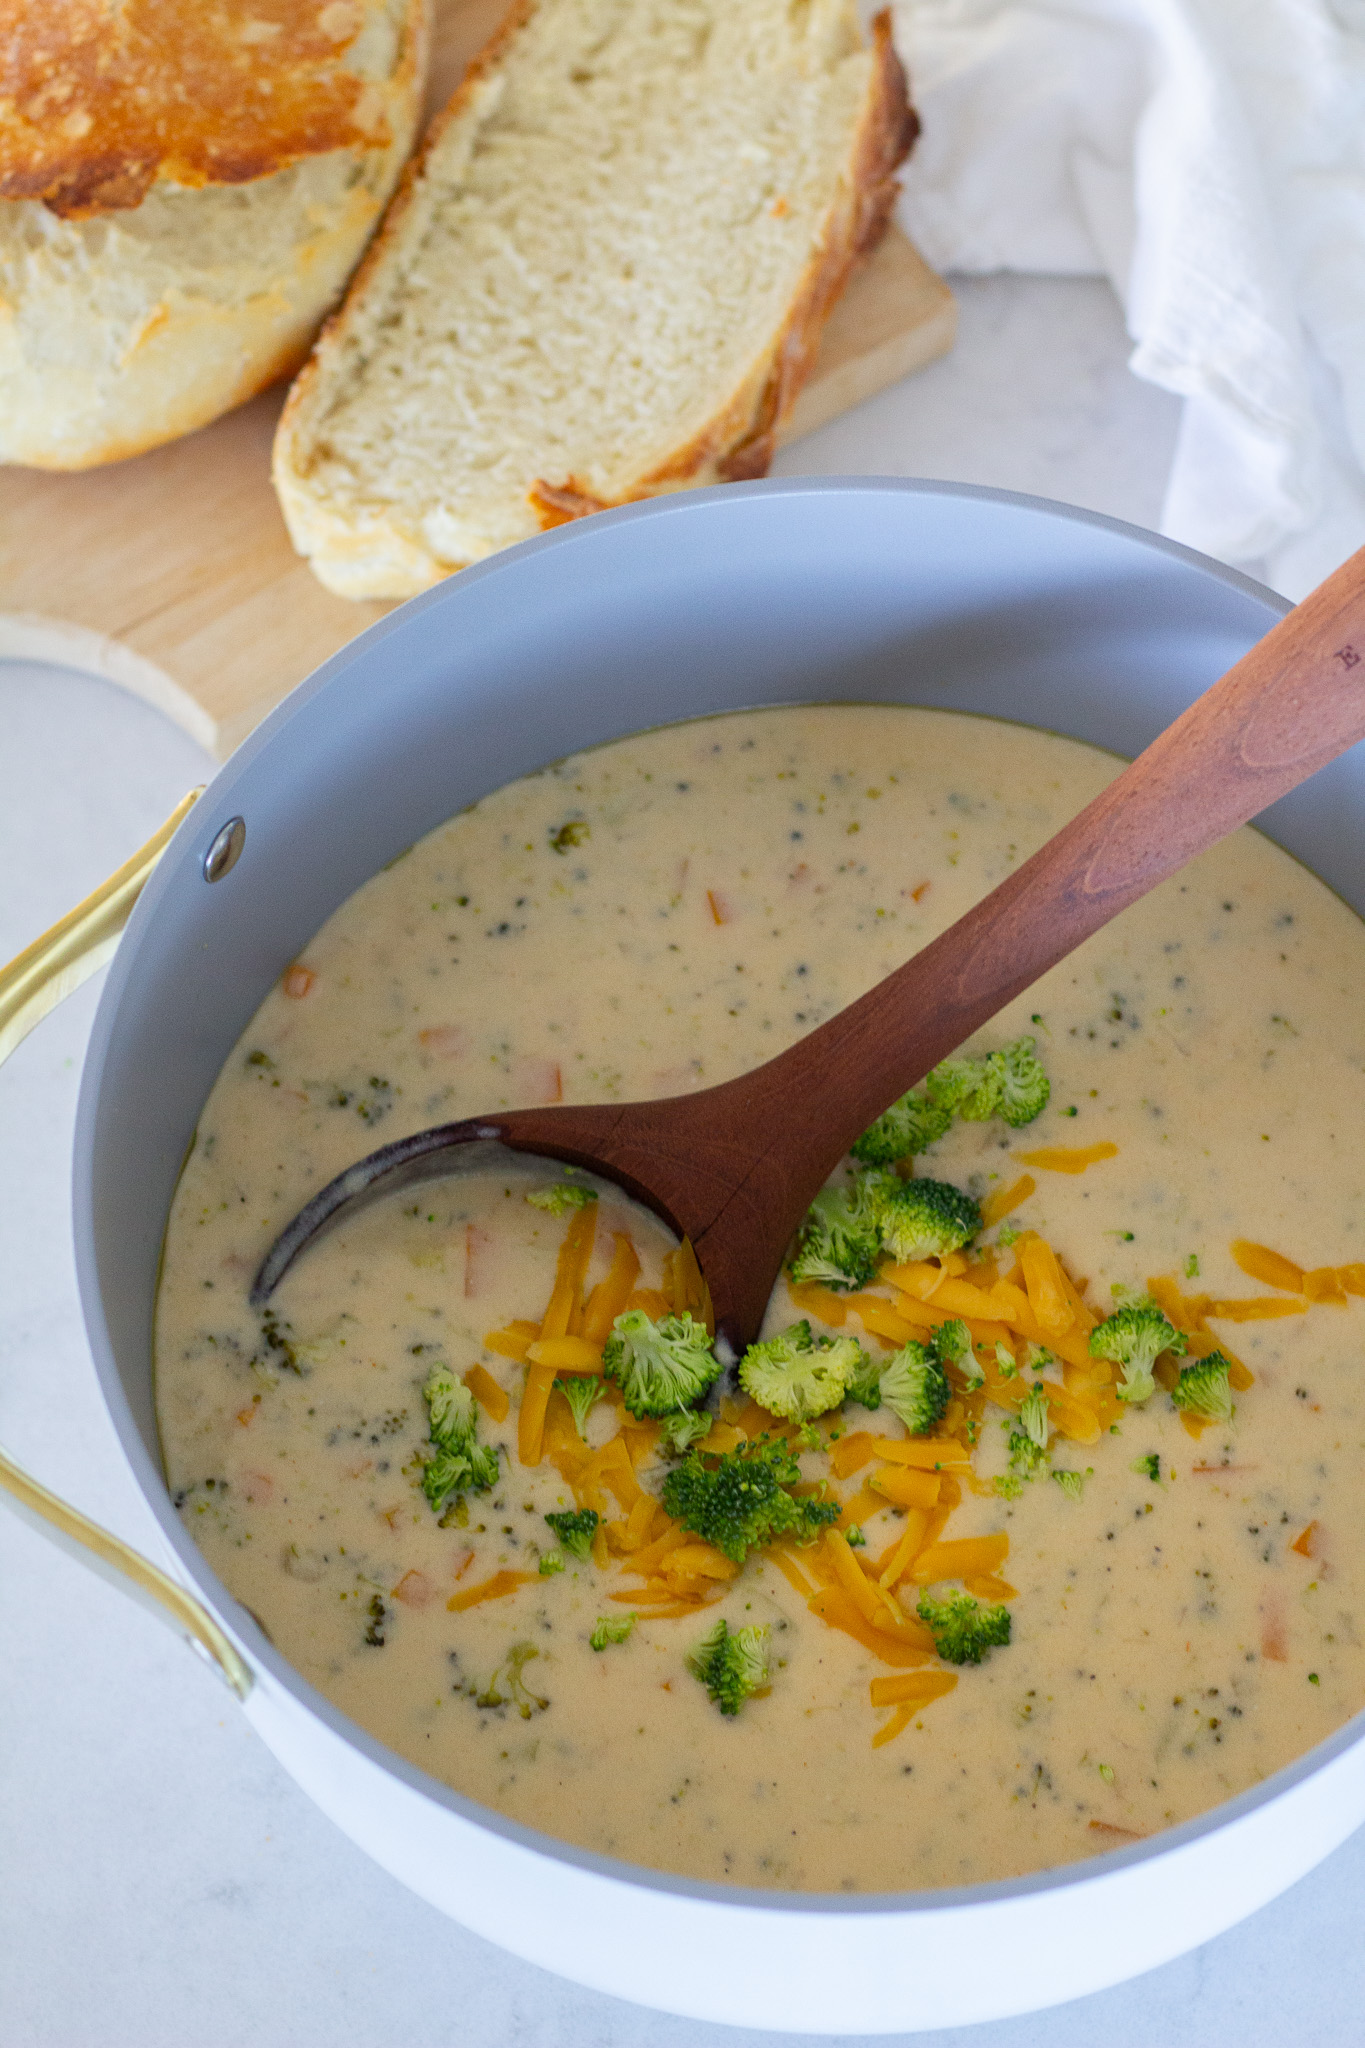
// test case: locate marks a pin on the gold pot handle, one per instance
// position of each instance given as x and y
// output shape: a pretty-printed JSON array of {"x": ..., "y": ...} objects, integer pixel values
[{"x": 32, "y": 985}]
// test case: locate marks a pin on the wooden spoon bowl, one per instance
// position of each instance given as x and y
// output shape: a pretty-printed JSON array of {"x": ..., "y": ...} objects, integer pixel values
[{"x": 734, "y": 1168}]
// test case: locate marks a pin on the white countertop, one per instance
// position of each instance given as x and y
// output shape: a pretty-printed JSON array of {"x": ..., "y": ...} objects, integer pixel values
[{"x": 162, "y": 1879}]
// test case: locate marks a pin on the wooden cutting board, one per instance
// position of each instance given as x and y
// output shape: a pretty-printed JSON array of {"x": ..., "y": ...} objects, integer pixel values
[{"x": 172, "y": 573}]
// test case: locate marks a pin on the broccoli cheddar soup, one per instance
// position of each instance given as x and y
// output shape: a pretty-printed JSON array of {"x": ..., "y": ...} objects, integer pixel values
[{"x": 1027, "y": 1530}]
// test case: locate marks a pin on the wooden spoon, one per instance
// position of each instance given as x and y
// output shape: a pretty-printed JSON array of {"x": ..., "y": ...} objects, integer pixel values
[{"x": 735, "y": 1168}]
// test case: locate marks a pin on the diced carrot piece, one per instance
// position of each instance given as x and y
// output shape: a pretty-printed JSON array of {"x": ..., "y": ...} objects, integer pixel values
[
  {"x": 490, "y": 1396},
  {"x": 299, "y": 981},
  {"x": 1258, "y": 1262},
  {"x": 1004, "y": 1200},
  {"x": 566, "y": 1354},
  {"x": 496, "y": 1588},
  {"x": 514, "y": 1341},
  {"x": 1306, "y": 1540},
  {"x": 906, "y": 1487},
  {"x": 1114, "y": 1837},
  {"x": 1323, "y": 1283},
  {"x": 415, "y": 1589},
  {"x": 1068, "y": 1158},
  {"x": 972, "y": 1554},
  {"x": 608, "y": 1299}
]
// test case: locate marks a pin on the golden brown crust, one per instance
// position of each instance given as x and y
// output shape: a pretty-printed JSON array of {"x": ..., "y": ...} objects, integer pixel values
[
  {"x": 740, "y": 441},
  {"x": 99, "y": 101}
]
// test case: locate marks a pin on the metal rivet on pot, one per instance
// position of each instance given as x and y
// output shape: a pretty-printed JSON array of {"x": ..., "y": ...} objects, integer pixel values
[{"x": 222, "y": 856}]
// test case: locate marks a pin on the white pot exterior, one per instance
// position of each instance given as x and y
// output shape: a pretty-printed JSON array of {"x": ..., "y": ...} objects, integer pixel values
[{"x": 755, "y": 594}]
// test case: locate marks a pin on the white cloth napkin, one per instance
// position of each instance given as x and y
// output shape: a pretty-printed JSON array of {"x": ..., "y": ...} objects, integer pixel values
[{"x": 1208, "y": 156}]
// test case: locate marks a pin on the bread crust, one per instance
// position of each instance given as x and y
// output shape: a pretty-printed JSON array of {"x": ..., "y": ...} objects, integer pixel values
[
  {"x": 740, "y": 441},
  {"x": 118, "y": 341},
  {"x": 373, "y": 556},
  {"x": 98, "y": 103}
]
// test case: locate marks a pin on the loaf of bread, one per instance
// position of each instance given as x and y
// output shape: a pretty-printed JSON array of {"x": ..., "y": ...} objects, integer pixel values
[
  {"x": 184, "y": 190},
  {"x": 603, "y": 278}
]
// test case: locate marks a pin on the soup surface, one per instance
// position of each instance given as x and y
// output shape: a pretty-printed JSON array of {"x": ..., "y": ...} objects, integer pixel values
[{"x": 661, "y": 914}]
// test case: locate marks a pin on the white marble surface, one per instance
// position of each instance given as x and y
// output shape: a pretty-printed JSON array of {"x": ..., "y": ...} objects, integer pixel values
[{"x": 161, "y": 1878}]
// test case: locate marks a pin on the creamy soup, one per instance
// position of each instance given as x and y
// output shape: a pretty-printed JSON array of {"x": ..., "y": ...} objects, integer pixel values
[{"x": 661, "y": 914}]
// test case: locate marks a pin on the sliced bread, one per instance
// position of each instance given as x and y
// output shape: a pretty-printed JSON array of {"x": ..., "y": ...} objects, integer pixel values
[
  {"x": 184, "y": 191},
  {"x": 603, "y": 278}
]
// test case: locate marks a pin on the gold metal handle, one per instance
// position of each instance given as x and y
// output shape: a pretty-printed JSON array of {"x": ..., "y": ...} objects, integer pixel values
[{"x": 32, "y": 985}]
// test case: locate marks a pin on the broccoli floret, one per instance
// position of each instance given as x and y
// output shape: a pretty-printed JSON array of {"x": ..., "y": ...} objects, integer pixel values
[
  {"x": 841, "y": 1242},
  {"x": 1008, "y": 1485},
  {"x": 915, "y": 1387},
  {"x": 460, "y": 1464},
  {"x": 683, "y": 1428},
  {"x": 742, "y": 1501},
  {"x": 911, "y": 1125},
  {"x": 522, "y": 1698},
  {"x": 1024, "y": 1087},
  {"x": 575, "y": 1528},
  {"x": 964, "y": 1630},
  {"x": 582, "y": 1391},
  {"x": 611, "y": 1628},
  {"x": 865, "y": 1383},
  {"x": 798, "y": 1376},
  {"x": 1149, "y": 1466},
  {"x": 855, "y": 1537},
  {"x": 1204, "y": 1388},
  {"x": 914, "y": 1382},
  {"x": 562, "y": 1197},
  {"x": 1006, "y": 1363},
  {"x": 921, "y": 1219},
  {"x": 951, "y": 1344},
  {"x": 1133, "y": 1338},
  {"x": 658, "y": 1366},
  {"x": 731, "y": 1667},
  {"x": 550, "y": 1563},
  {"x": 1028, "y": 1436},
  {"x": 966, "y": 1087},
  {"x": 1072, "y": 1483}
]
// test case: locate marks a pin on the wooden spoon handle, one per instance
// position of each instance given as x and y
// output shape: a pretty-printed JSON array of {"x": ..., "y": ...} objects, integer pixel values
[{"x": 1289, "y": 706}]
